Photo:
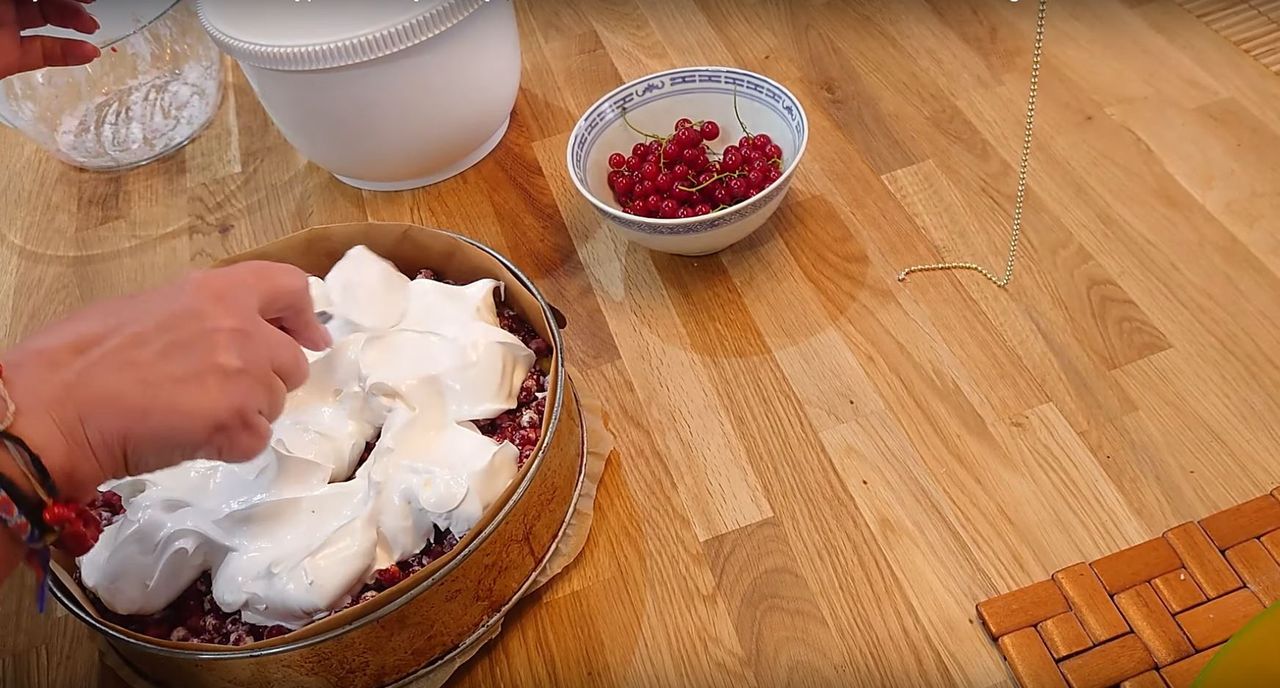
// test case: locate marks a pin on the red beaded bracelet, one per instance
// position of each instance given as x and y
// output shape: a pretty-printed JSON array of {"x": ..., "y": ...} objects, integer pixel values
[{"x": 40, "y": 521}]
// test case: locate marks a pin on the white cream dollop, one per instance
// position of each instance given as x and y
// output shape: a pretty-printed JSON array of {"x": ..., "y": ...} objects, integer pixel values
[{"x": 290, "y": 534}]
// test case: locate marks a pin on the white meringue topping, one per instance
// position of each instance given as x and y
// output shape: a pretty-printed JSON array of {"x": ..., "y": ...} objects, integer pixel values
[{"x": 292, "y": 533}]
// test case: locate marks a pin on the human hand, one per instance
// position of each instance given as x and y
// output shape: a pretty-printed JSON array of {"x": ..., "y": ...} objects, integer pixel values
[
  {"x": 20, "y": 53},
  {"x": 196, "y": 369}
]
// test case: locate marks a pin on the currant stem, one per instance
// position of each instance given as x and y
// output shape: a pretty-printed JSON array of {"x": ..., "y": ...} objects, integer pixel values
[
  {"x": 703, "y": 185},
  {"x": 642, "y": 133},
  {"x": 735, "y": 112}
]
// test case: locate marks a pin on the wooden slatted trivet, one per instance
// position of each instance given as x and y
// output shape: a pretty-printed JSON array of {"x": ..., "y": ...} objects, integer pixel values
[
  {"x": 1252, "y": 25},
  {"x": 1150, "y": 616}
]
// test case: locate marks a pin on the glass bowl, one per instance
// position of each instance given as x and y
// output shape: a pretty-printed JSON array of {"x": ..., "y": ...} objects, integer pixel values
[{"x": 156, "y": 85}]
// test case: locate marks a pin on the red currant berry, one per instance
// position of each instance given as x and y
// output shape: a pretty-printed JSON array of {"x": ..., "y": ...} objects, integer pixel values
[
  {"x": 683, "y": 195},
  {"x": 74, "y": 541},
  {"x": 626, "y": 185},
  {"x": 738, "y": 187},
  {"x": 654, "y": 148},
  {"x": 653, "y": 203},
  {"x": 112, "y": 501},
  {"x": 58, "y": 515},
  {"x": 681, "y": 172},
  {"x": 689, "y": 156},
  {"x": 759, "y": 164},
  {"x": 710, "y": 130},
  {"x": 685, "y": 212},
  {"x": 634, "y": 163},
  {"x": 669, "y": 209},
  {"x": 722, "y": 196},
  {"x": 714, "y": 167},
  {"x": 645, "y": 188},
  {"x": 702, "y": 209},
  {"x": 666, "y": 182},
  {"x": 700, "y": 162},
  {"x": 389, "y": 576},
  {"x": 639, "y": 150},
  {"x": 670, "y": 152},
  {"x": 688, "y": 137},
  {"x": 649, "y": 172},
  {"x": 761, "y": 142},
  {"x": 744, "y": 143},
  {"x": 730, "y": 161},
  {"x": 774, "y": 152},
  {"x": 705, "y": 177},
  {"x": 756, "y": 179},
  {"x": 630, "y": 209},
  {"x": 774, "y": 175},
  {"x": 615, "y": 176},
  {"x": 617, "y": 161},
  {"x": 683, "y": 123}
]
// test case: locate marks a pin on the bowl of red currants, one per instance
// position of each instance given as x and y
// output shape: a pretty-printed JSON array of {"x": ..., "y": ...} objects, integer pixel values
[{"x": 691, "y": 160}]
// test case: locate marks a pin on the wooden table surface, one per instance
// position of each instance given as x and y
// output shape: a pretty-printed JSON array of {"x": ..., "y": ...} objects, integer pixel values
[{"x": 820, "y": 470}]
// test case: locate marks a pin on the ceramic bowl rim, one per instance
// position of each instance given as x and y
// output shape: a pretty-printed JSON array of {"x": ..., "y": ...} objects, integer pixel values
[{"x": 688, "y": 221}]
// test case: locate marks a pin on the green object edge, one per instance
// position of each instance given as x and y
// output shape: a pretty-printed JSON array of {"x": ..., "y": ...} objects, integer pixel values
[{"x": 1224, "y": 656}]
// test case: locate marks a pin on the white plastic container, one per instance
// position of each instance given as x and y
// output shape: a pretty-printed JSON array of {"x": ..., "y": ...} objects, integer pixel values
[{"x": 384, "y": 94}]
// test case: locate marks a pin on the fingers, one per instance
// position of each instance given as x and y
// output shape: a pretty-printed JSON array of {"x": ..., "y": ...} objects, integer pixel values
[
  {"x": 286, "y": 359},
  {"x": 275, "y": 400},
  {"x": 257, "y": 399},
  {"x": 262, "y": 396},
  {"x": 247, "y": 439},
  {"x": 283, "y": 298},
  {"x": 38, "y": 52},
  {"x": 262, "y": 401},
  {"x": 66, "y": 14}
]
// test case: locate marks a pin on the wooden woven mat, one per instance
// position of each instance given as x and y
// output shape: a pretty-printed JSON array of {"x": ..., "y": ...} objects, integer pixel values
[
  {"x": 1150, "y": 616},
  {"x": 1253, "y": 25}
]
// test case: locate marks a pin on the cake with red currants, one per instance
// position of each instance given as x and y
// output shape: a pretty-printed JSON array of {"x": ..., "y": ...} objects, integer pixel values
[{"x": 408, "y": 430}]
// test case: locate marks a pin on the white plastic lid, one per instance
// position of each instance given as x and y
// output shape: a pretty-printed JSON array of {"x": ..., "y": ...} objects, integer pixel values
[{"x": 320, "y": 34}]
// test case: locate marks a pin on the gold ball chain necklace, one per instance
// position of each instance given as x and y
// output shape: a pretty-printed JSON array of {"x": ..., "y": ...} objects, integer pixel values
[{"x": 1024, "y": 165}]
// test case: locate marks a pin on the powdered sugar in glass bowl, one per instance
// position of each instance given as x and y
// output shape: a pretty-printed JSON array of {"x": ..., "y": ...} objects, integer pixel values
[{"x": 156, "y": 85}]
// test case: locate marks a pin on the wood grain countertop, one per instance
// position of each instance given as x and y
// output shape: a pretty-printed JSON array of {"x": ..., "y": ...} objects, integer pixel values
[{"x": 820, "y": 470}]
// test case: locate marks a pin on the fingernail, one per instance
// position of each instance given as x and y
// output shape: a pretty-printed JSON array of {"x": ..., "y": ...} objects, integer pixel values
[{"x": 96, "y": 24}]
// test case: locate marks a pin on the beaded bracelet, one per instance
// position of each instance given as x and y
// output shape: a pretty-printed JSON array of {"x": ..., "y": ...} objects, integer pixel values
[{"x": 40, "y": 521}]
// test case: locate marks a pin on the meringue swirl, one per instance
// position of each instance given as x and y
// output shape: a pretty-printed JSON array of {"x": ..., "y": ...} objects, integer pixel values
[{"x": 290, "y": 534}]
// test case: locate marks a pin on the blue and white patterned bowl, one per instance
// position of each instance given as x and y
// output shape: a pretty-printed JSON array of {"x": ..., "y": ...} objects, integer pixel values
[{"x": 653, "y": 104}]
